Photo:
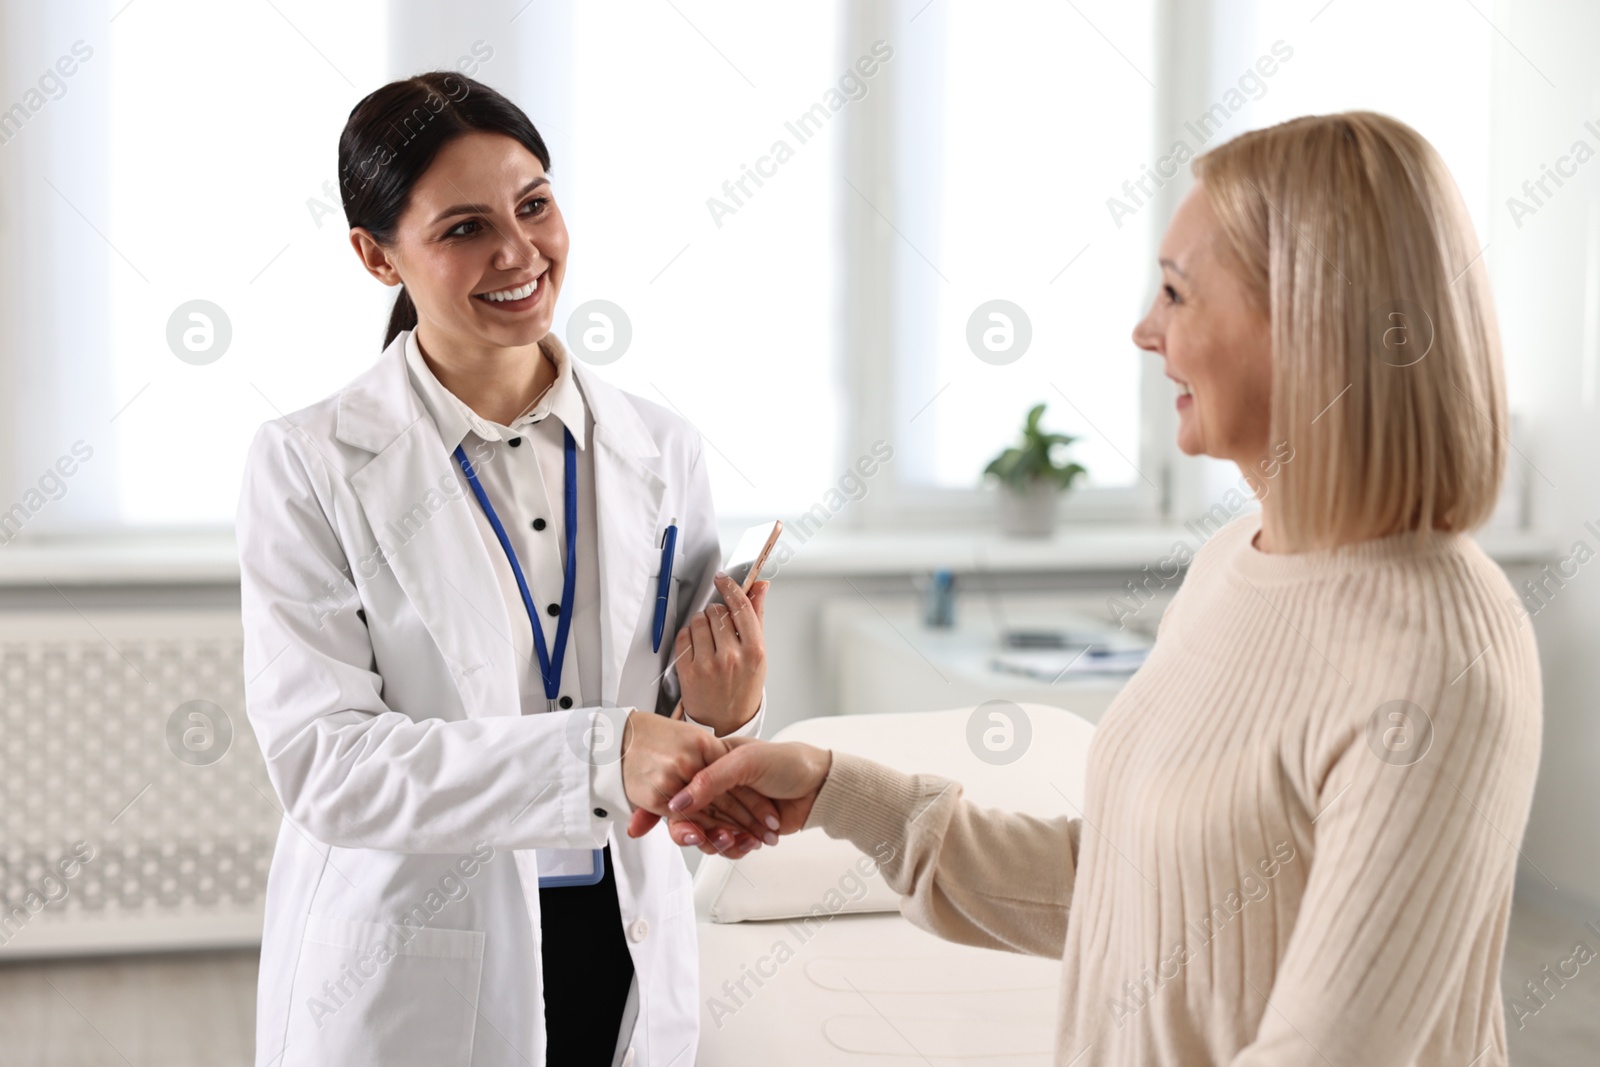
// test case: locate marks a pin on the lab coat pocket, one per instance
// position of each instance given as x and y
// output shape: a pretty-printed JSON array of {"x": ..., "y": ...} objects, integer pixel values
[{"x": 372, "y": 993}]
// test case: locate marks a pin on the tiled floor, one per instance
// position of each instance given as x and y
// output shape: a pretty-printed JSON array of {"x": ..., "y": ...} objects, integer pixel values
[{"x": 198, "y": 1010}]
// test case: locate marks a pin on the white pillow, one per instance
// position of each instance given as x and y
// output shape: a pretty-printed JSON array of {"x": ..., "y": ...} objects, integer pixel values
[{"x": 808, "y": 870}]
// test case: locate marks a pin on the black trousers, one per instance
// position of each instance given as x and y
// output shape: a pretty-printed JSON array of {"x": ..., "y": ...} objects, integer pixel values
[{"x": 587, "y": 971}]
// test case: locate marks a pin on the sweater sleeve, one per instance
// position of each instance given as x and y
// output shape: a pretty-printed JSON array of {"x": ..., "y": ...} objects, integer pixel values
[
  {"x": 968, "y": 874},
  {"x": 1411, "y": 858}
]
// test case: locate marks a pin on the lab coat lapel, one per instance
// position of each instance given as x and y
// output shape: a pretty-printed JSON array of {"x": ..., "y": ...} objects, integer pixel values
[
  {"x": 628, "y": 500},
  {"x": 428, "y": 536}
]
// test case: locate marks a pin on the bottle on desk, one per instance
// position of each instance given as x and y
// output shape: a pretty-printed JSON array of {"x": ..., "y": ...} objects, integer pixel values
[{"x": 939, "y": 601}]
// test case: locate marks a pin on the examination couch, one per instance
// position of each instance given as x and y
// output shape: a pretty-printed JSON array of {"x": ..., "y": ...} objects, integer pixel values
[{"x": 804, "y": 957}]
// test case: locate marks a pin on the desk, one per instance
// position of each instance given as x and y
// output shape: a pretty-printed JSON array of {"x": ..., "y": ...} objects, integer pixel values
[{"x": 877, "y": 655}]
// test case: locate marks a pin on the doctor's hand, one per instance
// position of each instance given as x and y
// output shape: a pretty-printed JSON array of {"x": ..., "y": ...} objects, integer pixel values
[
  {"x": 788, "y": 772},
  {"x": 659, "y": 757},
  {"x": 721, "y": 657}
]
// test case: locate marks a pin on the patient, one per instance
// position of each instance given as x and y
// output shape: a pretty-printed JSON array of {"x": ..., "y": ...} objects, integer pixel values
[{"x": 1302, "y": 815}]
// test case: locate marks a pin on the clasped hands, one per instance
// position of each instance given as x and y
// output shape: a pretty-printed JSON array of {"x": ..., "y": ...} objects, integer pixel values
[{"x": 726, "y": 795}]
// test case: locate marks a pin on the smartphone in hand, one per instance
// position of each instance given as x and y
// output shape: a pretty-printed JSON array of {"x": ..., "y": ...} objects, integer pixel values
[
  {"x": 744, "y": 565},
  {"x": 749, "y": 555}
]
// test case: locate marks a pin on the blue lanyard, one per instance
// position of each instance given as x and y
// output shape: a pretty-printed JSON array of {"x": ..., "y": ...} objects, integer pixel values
[{"x": 549, "y": 670}]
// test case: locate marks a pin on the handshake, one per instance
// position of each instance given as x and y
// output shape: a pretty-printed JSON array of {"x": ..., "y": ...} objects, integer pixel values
[{"x": 726, "y": 795}]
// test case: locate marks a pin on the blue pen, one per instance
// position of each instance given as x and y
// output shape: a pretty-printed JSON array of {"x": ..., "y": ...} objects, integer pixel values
[{"x": 669, "y": 543}]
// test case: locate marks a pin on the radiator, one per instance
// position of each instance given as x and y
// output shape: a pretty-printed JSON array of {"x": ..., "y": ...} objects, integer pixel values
[{"x": 137, "y": 812}]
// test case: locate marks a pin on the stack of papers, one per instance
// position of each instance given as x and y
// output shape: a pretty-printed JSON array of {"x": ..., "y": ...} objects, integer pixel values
[{"x": 1052, "y": 664}]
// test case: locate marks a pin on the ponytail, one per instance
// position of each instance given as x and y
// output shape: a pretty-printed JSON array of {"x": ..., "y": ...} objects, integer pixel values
[{"x": 403, "y": 317}]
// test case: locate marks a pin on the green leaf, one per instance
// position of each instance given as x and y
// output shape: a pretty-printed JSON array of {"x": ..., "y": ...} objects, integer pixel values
[{"x": 1034, "y": 460}]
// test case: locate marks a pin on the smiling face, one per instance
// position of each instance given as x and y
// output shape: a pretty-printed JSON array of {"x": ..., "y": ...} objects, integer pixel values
[
  {"x": 1214, "y": 343},
  {"x": 481, "y": 220}
]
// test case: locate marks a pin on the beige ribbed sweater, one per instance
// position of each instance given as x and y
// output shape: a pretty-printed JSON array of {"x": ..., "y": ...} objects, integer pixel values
[{"x": 1264, "y": 873}]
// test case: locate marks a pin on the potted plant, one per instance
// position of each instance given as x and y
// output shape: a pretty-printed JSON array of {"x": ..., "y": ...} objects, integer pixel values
[{"x": 1031, "y": 480}]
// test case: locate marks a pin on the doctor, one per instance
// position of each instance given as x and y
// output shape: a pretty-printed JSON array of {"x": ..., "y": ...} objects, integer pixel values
[{"x": 454, "y": 645}]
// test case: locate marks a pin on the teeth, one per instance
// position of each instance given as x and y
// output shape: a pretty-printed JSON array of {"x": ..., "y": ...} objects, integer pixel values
[
  {"x": 511, "y": 294},
  {"x": 1184, "y": 390}
]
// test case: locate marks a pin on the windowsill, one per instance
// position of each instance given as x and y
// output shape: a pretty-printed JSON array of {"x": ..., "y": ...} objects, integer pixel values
[{"x": 211, "y": 558}]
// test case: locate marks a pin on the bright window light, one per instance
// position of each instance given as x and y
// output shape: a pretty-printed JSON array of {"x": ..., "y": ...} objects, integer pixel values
[
  {"x": 728, "y": 280},
  {"x": 1026, "y": 117},
  {"x": 216, "y": 158},
  {"x": 1340, "y": 64}
]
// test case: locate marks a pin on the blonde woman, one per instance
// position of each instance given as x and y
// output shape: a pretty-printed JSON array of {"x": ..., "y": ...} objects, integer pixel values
[{"x": 1303, "y": 814}]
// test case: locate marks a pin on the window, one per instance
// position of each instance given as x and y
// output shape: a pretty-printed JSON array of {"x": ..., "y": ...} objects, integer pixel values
[
  {"x": 1340, "y": 64},
  {"x": 219, "y": 195},
  {"x": 805, "y": 211},
  {"x": 1017, "y": 121},
  {"x": 701, "y": 199},
  {"x": 651, "y": 118}
]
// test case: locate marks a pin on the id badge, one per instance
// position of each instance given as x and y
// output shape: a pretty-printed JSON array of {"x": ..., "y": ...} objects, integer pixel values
[{"x": 570, "y": 866}]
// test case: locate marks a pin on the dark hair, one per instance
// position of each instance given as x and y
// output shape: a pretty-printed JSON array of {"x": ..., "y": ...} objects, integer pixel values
[{"x": 391, "y": 138}]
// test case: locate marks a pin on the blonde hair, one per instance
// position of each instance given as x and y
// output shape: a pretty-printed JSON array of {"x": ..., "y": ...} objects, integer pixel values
[{"x": 1386, "y": 374}]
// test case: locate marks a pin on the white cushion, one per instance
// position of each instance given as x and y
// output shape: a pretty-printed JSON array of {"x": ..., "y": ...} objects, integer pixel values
[{"x": 809, "y": 869}]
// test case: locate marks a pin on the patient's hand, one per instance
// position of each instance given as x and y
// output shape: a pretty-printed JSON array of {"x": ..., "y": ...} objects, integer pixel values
[
  {"x": 722, "y": 658},
  {"x": 788, "y": 773},
  {"x": 659, "y": 757}
]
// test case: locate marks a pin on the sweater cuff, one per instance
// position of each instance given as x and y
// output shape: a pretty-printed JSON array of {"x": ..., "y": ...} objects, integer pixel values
[{"x": 869, "y": 804}]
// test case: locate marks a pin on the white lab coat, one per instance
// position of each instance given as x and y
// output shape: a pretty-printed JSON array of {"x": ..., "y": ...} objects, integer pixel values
[{"x": 402, "y": 912}]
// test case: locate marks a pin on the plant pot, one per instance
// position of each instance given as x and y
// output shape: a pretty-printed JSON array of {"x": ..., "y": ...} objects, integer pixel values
[{"x": 1029, "y": 512}]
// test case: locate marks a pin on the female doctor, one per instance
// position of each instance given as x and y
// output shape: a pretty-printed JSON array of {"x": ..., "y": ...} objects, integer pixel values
[{"x": 461, "y": 651}]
